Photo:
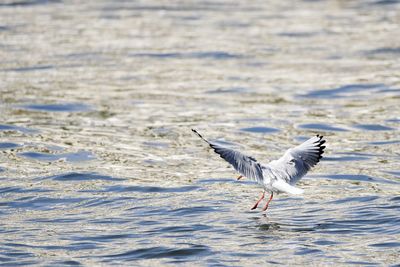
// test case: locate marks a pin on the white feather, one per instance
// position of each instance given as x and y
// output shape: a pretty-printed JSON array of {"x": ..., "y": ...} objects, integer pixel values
[{"x": 282, "y": 186}]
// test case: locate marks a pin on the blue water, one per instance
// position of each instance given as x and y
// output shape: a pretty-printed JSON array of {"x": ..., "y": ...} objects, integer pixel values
[
  {"x": 30, "y": 68},
  {"x": 8, "y": 145},
  {"x": 78, "y": 156},
  {"x": 373, "y": 127},
  {"x": 98, "y": 165},
  {"x": 233, "y": 90},
  {"x": 76, "y": 176},
  {"x": 343, "y": 91},
  {"x": 214, "y": 222},
  {"x": 28, "y": 3},
  {"x": 322, "y": 127},
  {"x": 260, "y": 129},
  {"x": 215, "y": 55},
  {"x": 25, "y": 130},
  {"x": 67, "y": 107}
]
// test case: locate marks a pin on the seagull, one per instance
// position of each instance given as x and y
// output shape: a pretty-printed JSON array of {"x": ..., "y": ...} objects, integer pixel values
[{"x": 278, "y": 176}]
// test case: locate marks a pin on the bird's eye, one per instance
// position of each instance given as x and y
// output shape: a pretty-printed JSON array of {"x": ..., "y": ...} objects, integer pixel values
[{"x": 292, "y": 161}]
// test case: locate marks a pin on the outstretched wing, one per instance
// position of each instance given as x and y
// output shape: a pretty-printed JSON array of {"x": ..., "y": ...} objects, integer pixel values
[
  {"x": 245, "y": 165},
  {"x": 297, "y": 161}
]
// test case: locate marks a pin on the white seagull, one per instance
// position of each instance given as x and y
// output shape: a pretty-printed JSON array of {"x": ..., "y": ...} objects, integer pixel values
[{"x": 279, "y": 175}]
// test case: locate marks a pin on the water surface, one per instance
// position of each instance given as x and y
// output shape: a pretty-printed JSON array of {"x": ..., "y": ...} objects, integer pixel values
[{"x": 98, "y": 163}]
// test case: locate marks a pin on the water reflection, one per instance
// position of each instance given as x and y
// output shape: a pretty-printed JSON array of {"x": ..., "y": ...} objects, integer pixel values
[
  {"x": 4, "y": 127},
  {"x": 28, "y": 3},
  {"x": 321, "y": 127},
  {"x": 67, "y": 107},
  {"x": 351, "y": 90},
  {"x": 78, "y": 156},
  {"x": 8, "y": 145},
  {"x": 260, "y": 129},
  {"x": 98, "y": 163},
  {"x": 216, "y": 55},
  {"x": 373, "y": 127}
]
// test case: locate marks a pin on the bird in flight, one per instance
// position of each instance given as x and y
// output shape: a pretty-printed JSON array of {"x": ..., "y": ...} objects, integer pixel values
[{"x": 278, "y": 176}]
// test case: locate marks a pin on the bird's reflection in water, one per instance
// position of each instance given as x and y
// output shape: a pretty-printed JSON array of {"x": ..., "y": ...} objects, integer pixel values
[
  {"x": 269, "y": 226},
  {"x": 264, "y": 223}
]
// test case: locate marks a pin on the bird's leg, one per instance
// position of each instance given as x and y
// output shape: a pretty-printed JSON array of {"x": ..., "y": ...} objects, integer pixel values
[
  {"x": 258, "y": 202},
  {"x": 270, "y": 198},
  {"x": 240, "y": 177}
]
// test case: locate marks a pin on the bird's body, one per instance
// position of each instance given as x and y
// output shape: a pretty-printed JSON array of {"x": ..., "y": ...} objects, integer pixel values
[{"x": 278, "y": 176}]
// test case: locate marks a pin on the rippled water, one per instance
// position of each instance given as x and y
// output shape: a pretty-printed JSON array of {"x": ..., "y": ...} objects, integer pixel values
[{"x": 98, "y": 164}]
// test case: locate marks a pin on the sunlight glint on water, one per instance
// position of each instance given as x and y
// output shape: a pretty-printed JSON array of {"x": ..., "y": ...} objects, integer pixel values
[{"x": 99, "y": 166}]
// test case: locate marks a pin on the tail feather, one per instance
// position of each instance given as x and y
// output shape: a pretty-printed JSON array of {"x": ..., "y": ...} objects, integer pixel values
[{"x": 287, "y": 188}]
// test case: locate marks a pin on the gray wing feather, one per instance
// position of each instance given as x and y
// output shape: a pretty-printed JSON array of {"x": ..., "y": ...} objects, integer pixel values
[
  {"x": 297, "y": 161},
  {"x": 310, "y": 152},
  {"x": 245, "y": 165}
]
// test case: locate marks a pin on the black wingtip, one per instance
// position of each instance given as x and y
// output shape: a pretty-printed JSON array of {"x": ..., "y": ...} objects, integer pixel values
[
  {"x": 319, "y": 143},
  {"x": 196, "y": 132},
  {"x": 321, "y": 148}
]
